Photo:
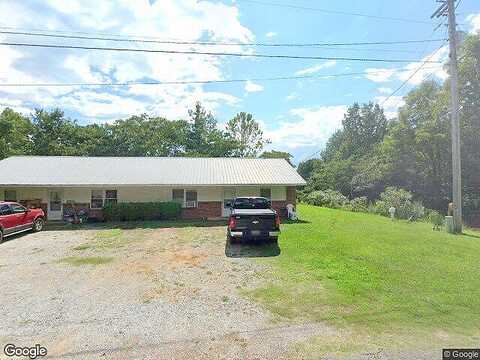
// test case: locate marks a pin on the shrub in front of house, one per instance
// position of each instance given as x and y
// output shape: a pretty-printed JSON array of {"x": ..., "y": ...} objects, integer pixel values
[{"x": 142, "y": 211}]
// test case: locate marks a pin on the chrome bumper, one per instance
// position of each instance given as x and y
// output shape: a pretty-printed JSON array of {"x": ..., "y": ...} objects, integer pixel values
[{"x": 240, "y": 233}]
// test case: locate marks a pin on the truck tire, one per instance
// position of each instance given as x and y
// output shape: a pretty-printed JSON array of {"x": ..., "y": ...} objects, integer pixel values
[
  {"x": 273, "y": 239},
  {"x": 38, "y": 225},
  {"x": 232, "y": 239}
]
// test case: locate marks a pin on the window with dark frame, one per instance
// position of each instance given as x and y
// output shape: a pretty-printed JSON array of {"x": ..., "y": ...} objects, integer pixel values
[
  {"x": 110, "y": 197},
  {"x": 266, "y": 193},
  {"x": 10, "y": 195},
  {"x": 191, "y": 198},
  {"x": 177, "y": 196},
  {"x": 97, "y": 199}
]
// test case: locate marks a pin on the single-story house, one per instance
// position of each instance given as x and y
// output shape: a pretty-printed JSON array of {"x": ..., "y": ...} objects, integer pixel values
[{"x": 202, "y": 185}]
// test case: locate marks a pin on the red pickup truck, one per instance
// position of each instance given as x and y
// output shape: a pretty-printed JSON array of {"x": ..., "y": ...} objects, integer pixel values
[{"x": 15, "y": 218}]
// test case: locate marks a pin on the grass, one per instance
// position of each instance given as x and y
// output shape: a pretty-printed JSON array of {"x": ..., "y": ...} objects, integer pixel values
[
  {"x": 355, "y": 269},
  {"x": 79, "y": 261}
]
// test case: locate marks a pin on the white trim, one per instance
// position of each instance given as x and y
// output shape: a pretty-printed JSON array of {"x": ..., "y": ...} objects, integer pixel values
[{"x": 17, "y": 232}]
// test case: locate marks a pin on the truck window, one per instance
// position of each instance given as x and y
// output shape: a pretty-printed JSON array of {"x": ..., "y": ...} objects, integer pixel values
[{"x": 251, "y": 203}]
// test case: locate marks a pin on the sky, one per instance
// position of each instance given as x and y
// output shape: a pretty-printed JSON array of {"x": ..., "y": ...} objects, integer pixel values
[{"x": 296, "y": 115}]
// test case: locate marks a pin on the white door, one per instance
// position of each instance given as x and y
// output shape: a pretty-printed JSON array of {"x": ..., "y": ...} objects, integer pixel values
[
  {"x": 55, "y": 206},
  {"x": 228, "y": 196}
]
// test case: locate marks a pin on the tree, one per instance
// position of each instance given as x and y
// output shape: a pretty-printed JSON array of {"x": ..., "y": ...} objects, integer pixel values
[
  {"x": 308, "y": 167},
  {"x": 273, "y": 154},
  {"x": 53, "y": 134},
  {"x": 204, "y": 138},
  {"x": 247, "y": 133},
  {"x": 146, "y": 136},
  {"x": 419, "y": 145},
  {"x": 363, "y": 127},
  {"x": 15, "y": 134}
]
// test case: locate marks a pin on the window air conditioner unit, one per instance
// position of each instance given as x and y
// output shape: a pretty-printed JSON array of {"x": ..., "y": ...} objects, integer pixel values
[{"x": 190, "y": 204}]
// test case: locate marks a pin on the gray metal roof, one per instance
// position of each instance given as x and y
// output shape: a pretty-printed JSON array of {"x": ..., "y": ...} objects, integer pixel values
[{"x": 98, "y": 171}]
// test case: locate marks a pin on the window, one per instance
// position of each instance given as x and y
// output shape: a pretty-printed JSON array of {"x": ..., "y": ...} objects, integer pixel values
[
  {"x": 17, "y": 209},
  {"x": 177, "y": 195},
  {"x": 110, "y": 197},
  {"x": 190, "y": 199},
  {"x": 97, "y": 199},
  {"x": 5, "y": 210},
  {"x": 266, "y": 193},
  {"x": 10, "y": 195},
  {"x": 251, "y": 203}
]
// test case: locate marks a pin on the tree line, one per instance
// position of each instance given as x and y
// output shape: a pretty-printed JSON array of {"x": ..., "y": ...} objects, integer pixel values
[
  {"x": 51, "y": 133},
  {"x": 413, "y": 151}
]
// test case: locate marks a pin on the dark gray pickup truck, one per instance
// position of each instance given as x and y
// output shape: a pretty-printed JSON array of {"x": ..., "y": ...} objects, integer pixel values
[{"x": 252, "y": 218}]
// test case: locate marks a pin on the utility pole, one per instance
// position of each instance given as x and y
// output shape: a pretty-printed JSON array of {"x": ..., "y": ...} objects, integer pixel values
[{"x": 447, "y": 8}]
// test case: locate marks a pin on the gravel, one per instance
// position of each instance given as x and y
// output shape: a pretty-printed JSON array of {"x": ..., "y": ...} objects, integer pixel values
[{"x": 167, "y": 294}]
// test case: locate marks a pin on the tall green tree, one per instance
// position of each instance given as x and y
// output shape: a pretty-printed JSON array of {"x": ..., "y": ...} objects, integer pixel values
[
  {"x": 145, "y": 136},
  {"x": 15, "y": 134},
  {"x": 204, "y": 137},
  {"x": 274, "y": 154},
  {"x": 246, "y": 131},
  {"x": 53, "y": 134}
]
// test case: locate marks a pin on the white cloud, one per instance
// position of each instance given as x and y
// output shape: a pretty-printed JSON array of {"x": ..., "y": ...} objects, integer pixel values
[
  {"x": 379, "y": 75},
  {"x": 252, "y": 87},
  {"x": 474, "y": 20},
  {"x": 391, "y": 105},
  {"x": 428, "y": 69},
  {"x": 166, "y": 19},
  {"x": 316, "y": 68},
  {"x": 384, "y": 90},
  {"x": 292, "y": 96},
  {"x": 312, "y": 127},
  {"x": 271, "y": 34}
]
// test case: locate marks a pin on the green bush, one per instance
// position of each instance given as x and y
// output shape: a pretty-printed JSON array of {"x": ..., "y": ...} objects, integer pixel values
[
  {"x": 327, "y": 198},
  {"x": 402, "y": 201},
  {"x": 141, "y": 211},
  {"x": 434, "y": 217},
  {"x": 359, "y": 204}
]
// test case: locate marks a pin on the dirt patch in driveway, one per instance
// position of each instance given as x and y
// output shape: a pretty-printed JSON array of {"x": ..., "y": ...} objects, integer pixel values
[{"x": 165, "y": 294}]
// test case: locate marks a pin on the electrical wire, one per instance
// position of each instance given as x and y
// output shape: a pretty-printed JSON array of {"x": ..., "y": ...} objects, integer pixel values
[
  {"x": 181, "y": 82},
  {"x": 327, "y": 11},
  {"x": 213, "y": 43},
  {"x": 280, "y": 56},
  {"x": 411, "y": 76}
]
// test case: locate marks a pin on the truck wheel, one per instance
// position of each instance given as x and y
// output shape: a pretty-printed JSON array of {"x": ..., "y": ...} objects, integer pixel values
[
  {"x": 38, "y": 225},
  {"x": 232, "y": 239},
  {"x": 273, "y": 239},
  {"x": 1, "y": 236}
]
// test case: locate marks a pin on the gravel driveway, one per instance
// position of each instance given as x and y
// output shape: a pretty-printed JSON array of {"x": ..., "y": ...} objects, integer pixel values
[{"x": 168, "y": 293}]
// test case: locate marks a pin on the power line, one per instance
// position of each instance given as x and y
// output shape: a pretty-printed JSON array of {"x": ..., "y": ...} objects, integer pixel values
[
  {"x": 180, "y": 82},
  {"x": 327, "y": 11},
  {"x": 411, "y": 76},
  {"x": 214, "y": 43},
  {"x": 189, "y": 52}
]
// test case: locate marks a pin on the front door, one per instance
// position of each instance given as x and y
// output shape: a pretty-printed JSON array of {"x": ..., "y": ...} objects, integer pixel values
[
  {"x": 228, "y": 196},
  {"x": 55, "y": 206}
]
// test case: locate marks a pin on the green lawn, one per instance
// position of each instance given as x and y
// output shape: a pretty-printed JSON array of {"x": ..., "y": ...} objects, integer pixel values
[{"x": 355, "y": 269}]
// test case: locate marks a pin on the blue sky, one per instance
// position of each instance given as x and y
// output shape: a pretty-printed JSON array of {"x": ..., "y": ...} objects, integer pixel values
[{"x": 298, "y": 116}]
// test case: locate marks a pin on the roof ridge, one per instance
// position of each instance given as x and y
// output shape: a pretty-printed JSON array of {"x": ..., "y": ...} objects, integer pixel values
[{"x": 139, "y": 157}]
